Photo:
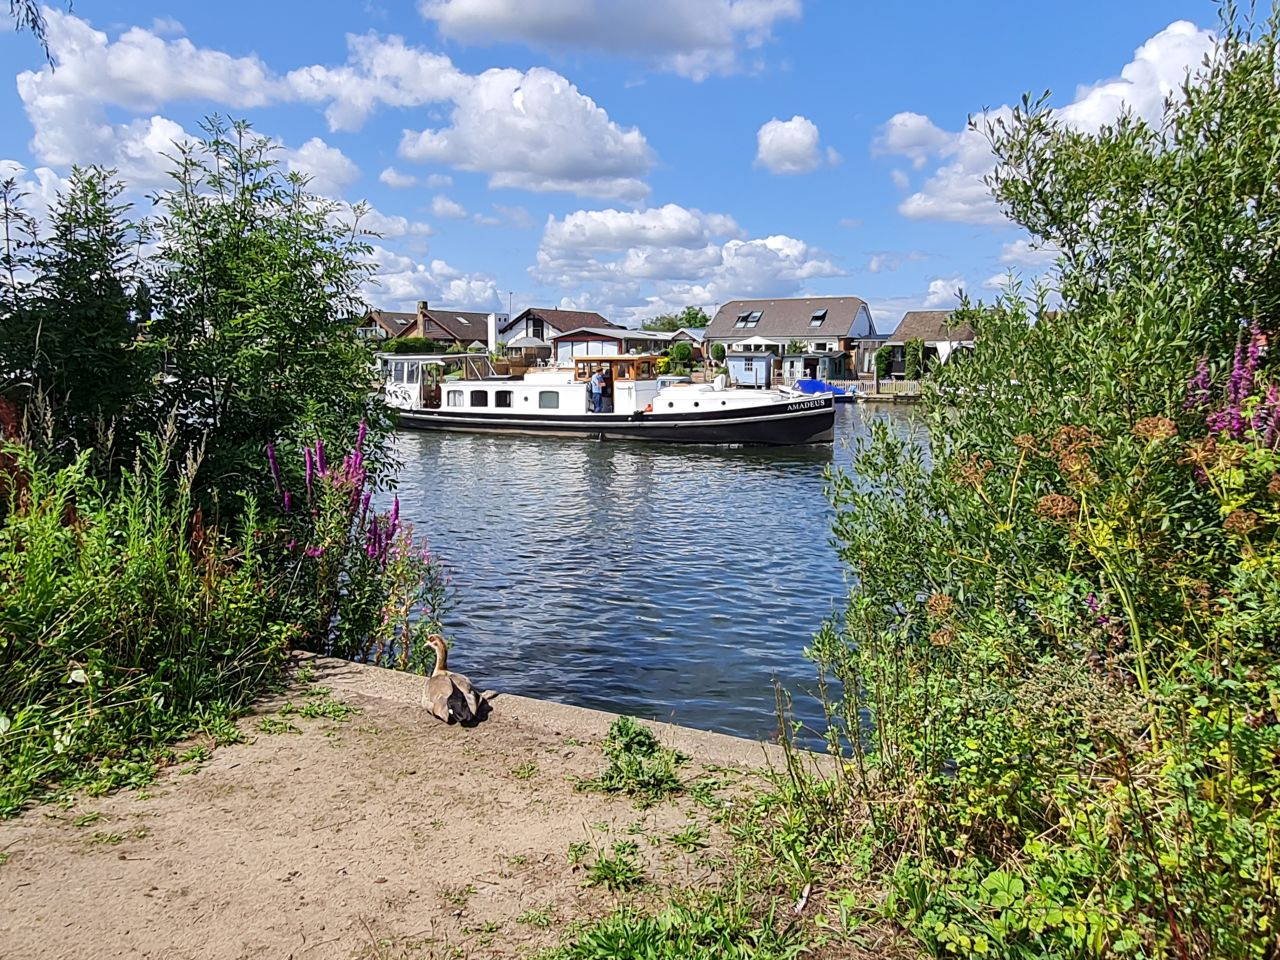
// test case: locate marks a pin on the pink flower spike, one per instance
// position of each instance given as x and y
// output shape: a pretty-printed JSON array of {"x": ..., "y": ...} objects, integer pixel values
[
  {"x": 306, "y": 456},
  {"x": 320, "y": 457},
  {"x": 360, "y": 435}
]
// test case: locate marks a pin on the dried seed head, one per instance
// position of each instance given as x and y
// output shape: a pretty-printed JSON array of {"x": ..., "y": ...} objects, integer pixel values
[
  {"x": 1155, "y": 429},
  {"x": 1240, "y": 523},
  {"x": 939, "y": 606},
  {"x": 1057, "y": 506}
]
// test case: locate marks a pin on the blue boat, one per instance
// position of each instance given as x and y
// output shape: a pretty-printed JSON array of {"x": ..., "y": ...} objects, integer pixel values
[{"x": 812, "y": 385}]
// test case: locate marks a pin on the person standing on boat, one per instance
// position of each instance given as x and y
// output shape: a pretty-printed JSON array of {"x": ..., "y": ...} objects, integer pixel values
[
  {"x": 606, "y": 391},
  {"x": 597, "y": 392}
]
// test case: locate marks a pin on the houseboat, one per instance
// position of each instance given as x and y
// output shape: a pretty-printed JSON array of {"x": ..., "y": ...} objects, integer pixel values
[{"x": 556, "y": 401}]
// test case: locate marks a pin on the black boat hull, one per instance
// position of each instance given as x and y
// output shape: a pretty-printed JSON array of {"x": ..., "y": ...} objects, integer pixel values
[{"x": 805, "y": 421}]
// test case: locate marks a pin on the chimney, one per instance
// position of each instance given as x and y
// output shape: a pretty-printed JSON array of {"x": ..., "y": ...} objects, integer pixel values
[{"x": 493, "y": 333}]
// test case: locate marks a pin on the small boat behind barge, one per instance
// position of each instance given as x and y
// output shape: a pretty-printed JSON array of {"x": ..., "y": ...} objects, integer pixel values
[{"x": 556, "y": 401}]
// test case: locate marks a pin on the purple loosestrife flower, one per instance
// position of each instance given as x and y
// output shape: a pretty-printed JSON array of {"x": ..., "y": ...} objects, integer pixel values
[
  {"x": 314, "y": 552},
  {"x": 275, "y": 467},
  {"x": 306, "y": 456},
  {"x": 1091, "y": 602},
  {"x": 395, "y": 510},
  {"x": 291, "y": 545},
  {"x": 360, "y": 435},
  {"x": 364, "y": 505},
  {"x": 288, "y": 502},
  {"x": 1198, "y": 387},
  {"x": 320, "y": 466},
  {"x": 1268, "y": 419}
]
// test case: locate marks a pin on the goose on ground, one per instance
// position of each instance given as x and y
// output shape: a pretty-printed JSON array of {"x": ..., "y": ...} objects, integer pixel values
[{"x": 449, "y": 695}]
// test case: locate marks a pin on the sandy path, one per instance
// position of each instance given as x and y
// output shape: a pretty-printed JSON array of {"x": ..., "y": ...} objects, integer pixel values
[{"x": 386, "y": 835}]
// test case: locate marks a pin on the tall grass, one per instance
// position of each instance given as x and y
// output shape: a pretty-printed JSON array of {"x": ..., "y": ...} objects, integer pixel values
[{"x": 126, "y": 620}]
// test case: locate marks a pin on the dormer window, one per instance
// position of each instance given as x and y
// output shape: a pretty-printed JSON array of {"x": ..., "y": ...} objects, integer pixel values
[
  {"x": 817, "y": 318},
  {"x": 753, "y": 318},
  {"x": 742, "y": 320}
]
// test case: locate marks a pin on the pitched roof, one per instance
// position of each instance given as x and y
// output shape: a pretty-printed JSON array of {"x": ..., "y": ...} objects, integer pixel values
[
  {"x": 393, "y": 322},
  {"x": 784, "y": 318},
  {"x": 461, "y": 325},
  {"x": 561, "y": 319},
  {"x": 619, "y": 333},
  {"x": 931, "y": 326},
  {"x": 693, "y": 333}
]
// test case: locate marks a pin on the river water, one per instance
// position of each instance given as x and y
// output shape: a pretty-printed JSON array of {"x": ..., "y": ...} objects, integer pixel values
[{"x": 668, "y": 582}]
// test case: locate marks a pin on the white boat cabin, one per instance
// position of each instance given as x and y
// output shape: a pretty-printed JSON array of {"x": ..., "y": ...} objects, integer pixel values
[{"x": 427, "y": 383}]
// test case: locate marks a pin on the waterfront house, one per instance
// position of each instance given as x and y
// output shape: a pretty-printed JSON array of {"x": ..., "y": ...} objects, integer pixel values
[
  {"x": 544, "y": 323},
  {"x": 822, "y": 324},
  {"x": 607, "y": 341},
  {"x": 832, "y": 365},
  {"x": 750, "y": 368},
  {"x": 462, "y": 328},
  {"x": 528, "y": 350},
  {"x": 942, "y": 338}
]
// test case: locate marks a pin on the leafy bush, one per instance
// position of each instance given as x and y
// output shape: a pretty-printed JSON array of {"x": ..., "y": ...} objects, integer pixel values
[
  {"x": 718, "y": 352},
  {"x": 1063, "y": 629},
  {"x": 913, "y": 359},
  {"x": 884, "y": 362},
  {"x": 412, "y": 345},
  {"x": 681, "y": 352}
]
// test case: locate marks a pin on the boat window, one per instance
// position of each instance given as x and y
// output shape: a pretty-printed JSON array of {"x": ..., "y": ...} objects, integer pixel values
[
  {"x": 644, "y": 370},
  {"x": 622, "y": 371},
  {"x": 453, "y": 398},
  {"x": 502, "y": 398},
  {"x": 817, "y": 318},
  {"x": 411, "y": 373},
  {"x": 479, "y": 398},
  {"x": 397, "y": 371},
  {"x": 548, "y": 400}
]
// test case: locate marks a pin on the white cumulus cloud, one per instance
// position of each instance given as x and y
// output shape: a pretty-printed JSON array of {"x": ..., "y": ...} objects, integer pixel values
[
  {"x": 328, "y": 169},
  {"x": 442, "y": 206},
  {"x": 955, "y": 190},
  {"x": 695, "y": 39},
  {"x": 791, "y": 146},
  {"x": 638, "y": 263},
  {"x": 535, "y": 131}
]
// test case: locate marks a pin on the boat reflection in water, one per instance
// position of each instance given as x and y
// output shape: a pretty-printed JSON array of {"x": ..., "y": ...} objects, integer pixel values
[{"x": 556, "y": 401}]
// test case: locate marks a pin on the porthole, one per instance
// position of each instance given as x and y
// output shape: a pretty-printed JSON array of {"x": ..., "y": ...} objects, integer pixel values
[
  {"x": 723, "y": 403},
  {"x": 695, "y": 403},
  {"x": 670, "y": 404}
]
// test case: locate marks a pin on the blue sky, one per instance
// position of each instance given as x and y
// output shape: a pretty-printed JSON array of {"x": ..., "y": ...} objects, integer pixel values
[{"x": 612, "y": 155}]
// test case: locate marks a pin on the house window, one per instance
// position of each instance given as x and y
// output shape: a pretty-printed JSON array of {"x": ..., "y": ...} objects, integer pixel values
[
  {"x": 817, "y": 318},
  {"x": 453, "y": 398},
  {"x": 741, "y": 321},
  {"x": 479, "y": 398},
  {"x": 753, "y": 318},
  {"x": 747, "y": 365},
  {"x": 537, "y": 330},
  {"x": 548, "y": 400},
  {"x": 502, "y": 398},
  {"x": 820, "y": 347}
]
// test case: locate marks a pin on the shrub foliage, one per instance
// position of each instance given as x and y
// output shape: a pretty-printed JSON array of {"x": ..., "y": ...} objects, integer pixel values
[{"x": 1062, "y": 689}]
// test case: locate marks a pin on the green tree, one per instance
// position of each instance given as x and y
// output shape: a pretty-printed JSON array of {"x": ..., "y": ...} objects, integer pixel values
[
  {"x": 691, "y": 317},
  {"x": 797, "y": 346},
  {"x": 884, "y": 361},
  {"x": 73, "y": 336},
  {"x": 718, "y": 352},
  {"x": 255, "y": 286}
]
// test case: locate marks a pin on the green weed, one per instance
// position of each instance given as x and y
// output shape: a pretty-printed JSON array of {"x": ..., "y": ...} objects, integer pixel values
[
  {"x": 537, "y": 918},
  {"x": 274, "y": 726},
  {"x": 525, "y": 771},
  {"x": 690, "y": 839},
  {"x": 637, "y": 765}
]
